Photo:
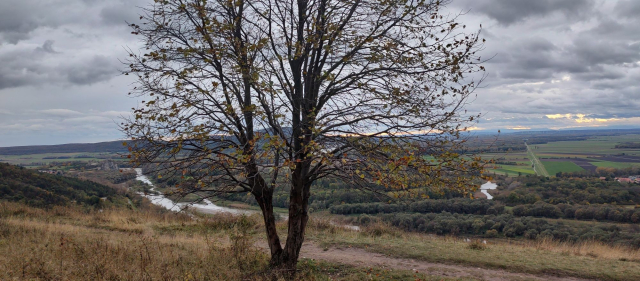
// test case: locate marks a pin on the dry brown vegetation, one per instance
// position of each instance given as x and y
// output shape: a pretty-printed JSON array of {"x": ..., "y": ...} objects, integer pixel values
[
  {"x": 72, "y": 243},
  {"x": 592, "y": 260},
  {"x": 68, "y": 243}
]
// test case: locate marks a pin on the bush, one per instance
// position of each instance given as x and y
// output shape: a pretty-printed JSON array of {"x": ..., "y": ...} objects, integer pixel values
[
  {"x": 491, "y": 233},
  {"x": 5, "y": 230},
  {"x": 242, "y": 243},
  {"x": 531, "y": 234},
  {"x": 511, "y": 226},
  {"x": 477, "y": 245}
]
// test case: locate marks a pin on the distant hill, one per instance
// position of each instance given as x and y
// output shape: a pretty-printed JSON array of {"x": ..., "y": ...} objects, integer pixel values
[
  {"x": 42, "y": 190},
  {"x": 109, "y": 147}
]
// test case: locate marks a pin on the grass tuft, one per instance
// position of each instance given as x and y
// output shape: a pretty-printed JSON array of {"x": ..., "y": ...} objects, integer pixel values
[{"x": 477, "y": 245}]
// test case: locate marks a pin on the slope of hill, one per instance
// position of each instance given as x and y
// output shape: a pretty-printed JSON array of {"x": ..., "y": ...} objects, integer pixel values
[
  {"x": 41, "y": 190},
  {"x": 111, "y": 147}
]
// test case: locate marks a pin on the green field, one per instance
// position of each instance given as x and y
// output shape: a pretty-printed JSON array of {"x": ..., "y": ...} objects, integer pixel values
[
  {"x": 554, "y": 167},
  {"x": 594, "y": 146},
  {"x": 615, "y": 165},
  {"x": 512, "y": 170}
]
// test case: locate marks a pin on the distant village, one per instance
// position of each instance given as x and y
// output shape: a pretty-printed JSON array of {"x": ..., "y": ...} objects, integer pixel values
[
  {"x": 631, "y": 179},
  {"x": 105, "y": 165}
]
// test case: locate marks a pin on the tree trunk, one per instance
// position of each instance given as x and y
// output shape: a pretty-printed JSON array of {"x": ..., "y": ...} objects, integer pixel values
[
  {"x": 266, "y": 205},
  {"x": 298, "y": 218}
]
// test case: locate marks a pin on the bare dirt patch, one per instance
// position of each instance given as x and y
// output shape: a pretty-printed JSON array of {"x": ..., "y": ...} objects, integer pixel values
[
  {"x": 362, "y": 258},
  {"x": 624, "y": 159}
]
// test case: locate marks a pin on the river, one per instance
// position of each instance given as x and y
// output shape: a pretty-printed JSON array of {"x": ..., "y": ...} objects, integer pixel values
[
  {"x": 206, "y": 206},
  {"x": 487, "y": 186}
]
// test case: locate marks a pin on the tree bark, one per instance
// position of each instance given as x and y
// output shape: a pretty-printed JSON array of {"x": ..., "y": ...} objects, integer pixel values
[
  {"x": 298, "y": 219},
  {"x": 265, "y": 200}
]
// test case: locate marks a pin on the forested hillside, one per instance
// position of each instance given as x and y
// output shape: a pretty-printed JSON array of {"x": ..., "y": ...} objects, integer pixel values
[
  {"x": 42, "y": 190},
  {"x": 112, "y": 147}
]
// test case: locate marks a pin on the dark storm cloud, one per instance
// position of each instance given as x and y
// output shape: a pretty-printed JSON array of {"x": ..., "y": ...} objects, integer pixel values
[
  {"x": 508, "y": 12},
  {"x": 593, "y": 51},
  {"x": 59, "y": 65},
  {"x": 121, "y": 13},
  {"x": 613, "y": 29},
  {"x": 42, "y": 65},
  {"x": 19, "y": 18},
  {"x": 97, "y": 69},
  {"x": 536, "y": 58},
  {"x": 628, "y": 8},
  {"x": 601, "y": 74}
]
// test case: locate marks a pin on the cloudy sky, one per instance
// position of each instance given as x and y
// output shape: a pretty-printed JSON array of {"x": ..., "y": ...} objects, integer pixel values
[{"x": 557, "y": 64}]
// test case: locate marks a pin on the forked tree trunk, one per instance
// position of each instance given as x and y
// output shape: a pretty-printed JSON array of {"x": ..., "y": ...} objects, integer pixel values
[
  {"x": 266, "y": 205},
  {"x": 298, "y": 218},
  {"x": 286, "y": 259}
]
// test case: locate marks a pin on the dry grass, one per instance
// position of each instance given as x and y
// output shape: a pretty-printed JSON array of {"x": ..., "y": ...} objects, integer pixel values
[
  {"x": 595, "y": 249},
  {"x": 71, "y": 243},
  {"x": 117, "y": 245},
  {"x": 592, "y": 260},
  {"x": 476, "y": 244}
]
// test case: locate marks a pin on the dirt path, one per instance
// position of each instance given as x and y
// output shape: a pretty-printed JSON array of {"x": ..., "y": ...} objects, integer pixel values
[
  {"x": 537, "y": 165},
  {"x": 361, "y": 258}
]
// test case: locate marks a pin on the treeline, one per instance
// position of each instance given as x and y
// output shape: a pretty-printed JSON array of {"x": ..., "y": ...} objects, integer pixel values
[
  {"x": 632, "y": 145},
  {"x": 118, "y": 177},
  {"x": 490, "y": 207},
  {"x": 507, "y": 225},
  {"x": 327, "y": 192},
  {"x": 579, "y": 212},
  {"x": 458, "y": 205},
  {"x": 609, "y": 173},
  {"x": 576, "y": 191},
  {"x": 507, "y": 163},
  {"x": 43, "y": 190}
]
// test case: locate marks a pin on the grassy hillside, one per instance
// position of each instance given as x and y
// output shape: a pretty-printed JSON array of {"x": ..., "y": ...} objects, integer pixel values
[
  {"x": 69, "y": 243},
  {"x": 44, "y": 190}
]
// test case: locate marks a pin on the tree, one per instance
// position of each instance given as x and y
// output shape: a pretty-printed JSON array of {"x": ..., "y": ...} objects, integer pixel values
[{"x": 250, "y": 96}]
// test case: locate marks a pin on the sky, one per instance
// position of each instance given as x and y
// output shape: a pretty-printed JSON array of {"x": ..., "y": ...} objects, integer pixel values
[{"x": 553, "y": 64}]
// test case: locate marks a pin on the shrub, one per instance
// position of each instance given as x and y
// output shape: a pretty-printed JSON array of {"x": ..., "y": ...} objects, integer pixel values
[
  {"x": 491, "y": 233},
  {"x": 477, "y": 245},
  {"x": 4, "y": 228},
  {"x": 378, "y": 229},
  {"x": 531, "y": 234},
  {"x": 242, "y": 244}
]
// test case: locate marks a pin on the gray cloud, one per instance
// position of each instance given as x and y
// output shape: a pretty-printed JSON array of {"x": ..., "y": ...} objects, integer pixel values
[
  {"x": 508, "y": 12},
  {"x": 578, "y": 57},
  {"x": 628, "y": 8},
  {"x": 120, "y": 14},
  {"x": 602, "y": 51},
  {"x": 47, "y": 47},
  {"x": 42, "y": 66},
  {"x": 18, "y": 19},
  {"x": 97, "y": 69}
]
